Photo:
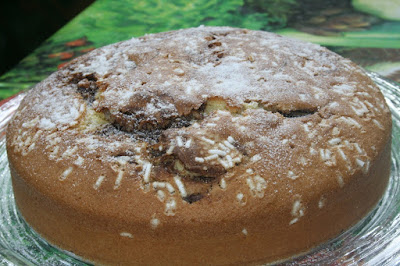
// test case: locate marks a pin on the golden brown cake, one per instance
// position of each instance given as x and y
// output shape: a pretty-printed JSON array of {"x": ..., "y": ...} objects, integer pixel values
[{"x": 210, "y": 145}]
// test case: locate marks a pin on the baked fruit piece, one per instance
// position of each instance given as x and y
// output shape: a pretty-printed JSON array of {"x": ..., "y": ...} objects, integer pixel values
[{"x": 210, "y": 145}]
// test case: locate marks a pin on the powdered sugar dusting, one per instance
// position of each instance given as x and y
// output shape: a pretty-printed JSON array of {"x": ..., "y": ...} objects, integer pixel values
[
  {"x": 223, "y": 106},
  {"x": 65, "y": 109},
  {"x": 229, "y": 78}
]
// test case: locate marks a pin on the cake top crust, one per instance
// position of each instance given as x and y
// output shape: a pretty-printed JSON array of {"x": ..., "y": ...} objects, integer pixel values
[{"x": 191, "y": 120}]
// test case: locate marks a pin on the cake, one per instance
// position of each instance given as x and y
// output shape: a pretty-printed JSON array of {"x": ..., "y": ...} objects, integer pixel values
[{"x": 209, "y": 145}]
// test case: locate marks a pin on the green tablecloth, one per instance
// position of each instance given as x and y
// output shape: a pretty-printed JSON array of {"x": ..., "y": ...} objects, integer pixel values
[{"x": 366, "y": 31}]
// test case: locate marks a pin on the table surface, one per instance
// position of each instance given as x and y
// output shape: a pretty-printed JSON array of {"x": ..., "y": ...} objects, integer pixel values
[{"x": 367, "y": 33}]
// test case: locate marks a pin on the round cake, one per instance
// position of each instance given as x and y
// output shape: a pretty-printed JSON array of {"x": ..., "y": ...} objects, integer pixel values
[{"x": 210, "y": 145}]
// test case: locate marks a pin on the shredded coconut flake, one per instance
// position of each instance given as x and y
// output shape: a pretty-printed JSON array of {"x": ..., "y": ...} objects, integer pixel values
[
  {"x": 126, "y": 234},
  {"x": 161, "y": 195},
  {"x": 180, "y": 185},
  {"x": 208, "y": 140},
  {"x": 199, "y": 159},
  {"x": 340, "y": 180},
  {"x": 256, "y": 158},
  {"x": 188, "y": 143},
  {"x": 179, "y": 141},
  {"x": 154, "y": 223},
  {"x": 99, "y": 181},
  {"x": 292, "y": 176},
  {"x": 378, "y": 124},
  {"x": 170, "y": 207},
  {"x": 170, "y": 150},
  {"x": 218, "y": 152},
  {"x": 229, "y": 145},
  {"x": 334, "y": 141},
  {"x": 66, "y": 173},
  {"x": 222, "y": 183},
  {"x": 118, "y": 179},
  {"x": 231, "y": 140},
  {"x": 170, "y": 188},
  {"x": 157, "y": 185},
  {"x": 211, "y": 157},
  {"x": 147, "y": 171}
]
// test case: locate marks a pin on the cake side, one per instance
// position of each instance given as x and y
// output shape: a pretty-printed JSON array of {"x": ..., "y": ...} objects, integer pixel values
[
  {"x": 114, "y": 241},
  {"x": 200, "y": 137}
]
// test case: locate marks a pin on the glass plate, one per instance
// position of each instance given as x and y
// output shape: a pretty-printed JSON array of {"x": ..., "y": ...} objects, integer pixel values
[{"x": 373, "y": 241}]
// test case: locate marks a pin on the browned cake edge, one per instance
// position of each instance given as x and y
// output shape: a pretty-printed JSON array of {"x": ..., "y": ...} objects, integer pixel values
[{"x": 93, "y": 239}]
